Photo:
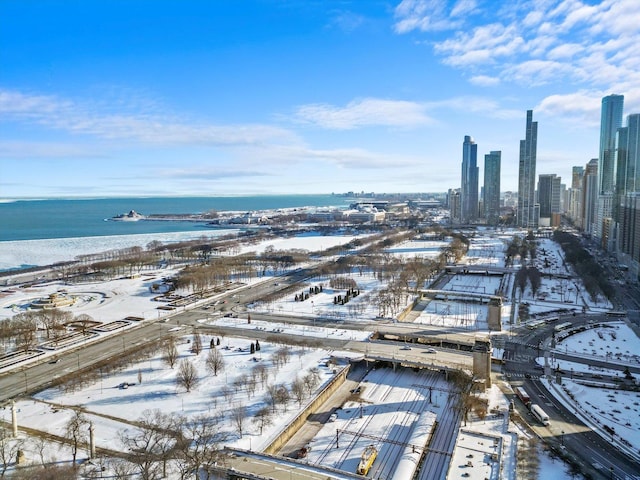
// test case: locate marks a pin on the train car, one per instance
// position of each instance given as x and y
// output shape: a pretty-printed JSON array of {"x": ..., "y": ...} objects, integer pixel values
[
  {"x": 366, "y": 460},
  {"x": 539, "y": 414}
]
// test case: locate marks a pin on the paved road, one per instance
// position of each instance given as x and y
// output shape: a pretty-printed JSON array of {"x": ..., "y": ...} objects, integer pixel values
[{"x": 595, "y": 455}]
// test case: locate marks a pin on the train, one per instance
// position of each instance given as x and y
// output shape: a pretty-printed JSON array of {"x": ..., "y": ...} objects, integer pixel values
[{"x": 366, "y": 460}]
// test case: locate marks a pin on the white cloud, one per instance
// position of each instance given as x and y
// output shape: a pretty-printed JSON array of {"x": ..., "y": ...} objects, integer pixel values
[
  {"x": 423, "y": 15},
  {"x": 481, "y": 45},
  {"x": 566, "y": 50},
  {"x": 484, "y": 80},
  {"x": 536, "y": 72},
  {"x": 464, "y": 7},
  {"x": 534, "y": 42},
  {"x": 485, "y": 106},
  {"x": 77, "y": 118},
  {"x": 364, "y": 113},
  {"x": 583, "y": 105}
]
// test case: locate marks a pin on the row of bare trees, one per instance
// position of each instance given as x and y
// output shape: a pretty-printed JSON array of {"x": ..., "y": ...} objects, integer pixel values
[{"x": 22, "y": 331}]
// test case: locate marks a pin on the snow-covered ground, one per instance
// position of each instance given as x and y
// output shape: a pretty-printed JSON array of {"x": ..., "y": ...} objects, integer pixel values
[
  {"x": 599, "y": 402},
  {"x": 114, "y": 300}
]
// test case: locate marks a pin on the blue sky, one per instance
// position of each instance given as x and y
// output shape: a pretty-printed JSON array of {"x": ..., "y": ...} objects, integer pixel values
[{"x": 159, "y": 97}]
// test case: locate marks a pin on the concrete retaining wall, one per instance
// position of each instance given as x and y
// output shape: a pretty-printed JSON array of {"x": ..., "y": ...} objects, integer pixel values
[{"x": 287, "y": 432}]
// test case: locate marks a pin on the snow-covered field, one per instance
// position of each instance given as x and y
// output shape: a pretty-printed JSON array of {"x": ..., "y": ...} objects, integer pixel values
[{"x": 114, "y": 300}]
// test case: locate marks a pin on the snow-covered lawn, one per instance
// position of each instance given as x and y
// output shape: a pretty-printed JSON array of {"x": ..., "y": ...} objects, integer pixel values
[
  {"x": 613, "y": 341},
  {"x": 112, "y": 408},
  {"x": 386, "y": 399}
]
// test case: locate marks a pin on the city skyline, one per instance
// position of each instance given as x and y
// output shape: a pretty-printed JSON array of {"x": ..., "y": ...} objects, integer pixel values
[{"x": 199, "y": 98}]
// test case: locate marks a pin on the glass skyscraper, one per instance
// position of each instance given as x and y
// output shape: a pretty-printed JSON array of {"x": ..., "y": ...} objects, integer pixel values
[
  {"x": 528, "y": 210},
  {"x": 492, "y": 187},
  {"x": 610, "y": 122},
  {"x": 469, "y": 184}
]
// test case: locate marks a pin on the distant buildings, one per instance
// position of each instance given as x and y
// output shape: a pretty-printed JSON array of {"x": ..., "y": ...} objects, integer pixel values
[
  {"x": 491, "y": 197},
  {"x": 528, "y": 211},
  {"x": 469, "y": 183}
]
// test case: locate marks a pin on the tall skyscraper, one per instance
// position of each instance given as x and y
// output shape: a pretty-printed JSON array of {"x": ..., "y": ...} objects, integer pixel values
[
  {"x": 549, "y": 192},
  {"x": 469, "y": 184},
  {"x": 528, "y": 210},
  {"x": 610, "y": 122},
  {"x": 492, "y": 187},
  {"x": 590, "y": 196},
  {"x": 628, "y": 194},
  {"x": 575, "y": 196},
  {"x": 628, "y": 156}
]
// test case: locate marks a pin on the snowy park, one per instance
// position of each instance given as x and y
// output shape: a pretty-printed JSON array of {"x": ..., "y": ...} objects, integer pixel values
[{"x": 388, "y": 405}]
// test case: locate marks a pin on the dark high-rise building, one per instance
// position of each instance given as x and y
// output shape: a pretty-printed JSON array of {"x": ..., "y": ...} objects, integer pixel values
[
  {"x": 492, "y": 187},
  {"x": 549, "y": 190},
  {"x": 528, "y": 210},
  {"x": 469, "y": 184}
]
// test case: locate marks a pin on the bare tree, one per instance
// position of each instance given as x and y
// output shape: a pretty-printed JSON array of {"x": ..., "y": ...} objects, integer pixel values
[
  {"x": 227, "y": 392},
  {"x": 200, "y": 448},
  {"x": 39, "y": 445},
  {"x": 261, "y": 372},
  {"x": 122, "y": 469},
  {"x": 240, "y": 382},
  {"x": 312, "y": 380},
  {"x": 52, "y": 472},
  {"x": 215, "y": 361},
  {"x": 151, "y": 443},
  {"x": 270, "y": 396},
  {"x": 25, "y": 326},
  {"x": 76, "y": 432},
  {"x": 53, "y": 321},
  {"x": 170, "y": 352},
  {"x": 187, "y": 375},
  {"x": 298, "y": 390},
  {"x": 263, "y": 418},
  {"x": 8, "y": 449},
  {"x": 251, "y": 385},
  {"x": 282, "y": 396},
  {"x": 196, "y": 344},
  {"x": 239, "y": 415},
  {"x": 84, "y": 322}
]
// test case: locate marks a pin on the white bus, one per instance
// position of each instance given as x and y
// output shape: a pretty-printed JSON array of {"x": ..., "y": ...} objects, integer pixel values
[
  {"x": 535, "y": 324},
  {"x": 562, "y": 326},
  {"x": 539, "y": 414}
]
